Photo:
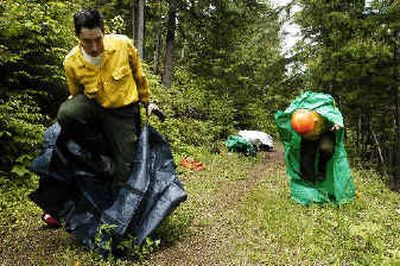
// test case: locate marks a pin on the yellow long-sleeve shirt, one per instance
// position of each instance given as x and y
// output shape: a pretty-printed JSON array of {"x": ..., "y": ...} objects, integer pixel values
[{"x": 119, "y": 79}]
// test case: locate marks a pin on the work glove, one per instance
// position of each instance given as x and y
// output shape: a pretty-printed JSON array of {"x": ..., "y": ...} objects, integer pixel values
[
  {"x": 152, "y": 108},
  {"x": 335, "y": 127}
]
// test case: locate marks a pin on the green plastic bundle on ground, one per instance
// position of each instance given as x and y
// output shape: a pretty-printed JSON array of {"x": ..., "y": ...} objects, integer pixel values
[
  {"x": 338, "y": 186},
  {"x": 239, "y": 144}
]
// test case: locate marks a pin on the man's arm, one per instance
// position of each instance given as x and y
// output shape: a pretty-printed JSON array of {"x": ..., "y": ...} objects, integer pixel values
[
  {"x": 71, "y": 81},
  {"x": 138, "y": 74}
]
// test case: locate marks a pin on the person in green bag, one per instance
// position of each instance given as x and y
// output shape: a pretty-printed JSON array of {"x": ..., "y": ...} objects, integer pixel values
[
  {"x": 312, "y": 132},
  {"x": 317, "y": 142}
]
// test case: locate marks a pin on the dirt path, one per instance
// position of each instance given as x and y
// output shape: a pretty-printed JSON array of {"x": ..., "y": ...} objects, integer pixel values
[{"x": 209, "y": 245}]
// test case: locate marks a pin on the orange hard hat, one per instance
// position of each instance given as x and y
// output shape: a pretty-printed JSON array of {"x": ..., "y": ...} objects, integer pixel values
[{"x": 307, "y": 123}]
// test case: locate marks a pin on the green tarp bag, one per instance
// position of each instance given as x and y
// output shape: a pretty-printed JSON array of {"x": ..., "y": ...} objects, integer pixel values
[
  {"x": 238, "y": 144},
  {"x": 338, "y": 186}
]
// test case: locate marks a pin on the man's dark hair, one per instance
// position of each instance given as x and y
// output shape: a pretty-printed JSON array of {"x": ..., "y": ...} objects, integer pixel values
[{"x": 88, "y": 18}]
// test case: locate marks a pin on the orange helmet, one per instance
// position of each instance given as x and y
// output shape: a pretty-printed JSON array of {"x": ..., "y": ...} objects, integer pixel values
[{"x": 307, "y": 123}]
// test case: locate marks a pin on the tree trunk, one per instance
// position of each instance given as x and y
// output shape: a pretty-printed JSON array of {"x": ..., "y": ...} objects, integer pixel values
[
  {"x": 397, "y": 140},
  {"x": 157, "y": 47},
  {"x": 171, "y": 27},
  {"x": 134, "y": 36},
  {"x": 364, "y": 134},
  {"x": 140, "y": 27},
  {"x": 156, "y": 57},
  {"x": 396, "y": 87},
  {"x": 380, "y": 154},
  {"x": 359, "y": 134}
]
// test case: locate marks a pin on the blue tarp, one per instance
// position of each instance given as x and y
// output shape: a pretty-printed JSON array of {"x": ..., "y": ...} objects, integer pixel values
[{"x": 85, "y": 203}]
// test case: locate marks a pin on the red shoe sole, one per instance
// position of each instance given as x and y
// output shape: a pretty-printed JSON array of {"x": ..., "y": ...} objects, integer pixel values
[{"x": 50, "y": 221}]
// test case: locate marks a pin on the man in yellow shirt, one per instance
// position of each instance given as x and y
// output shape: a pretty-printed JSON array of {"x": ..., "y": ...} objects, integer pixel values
[{"x": 106, "y": 84}]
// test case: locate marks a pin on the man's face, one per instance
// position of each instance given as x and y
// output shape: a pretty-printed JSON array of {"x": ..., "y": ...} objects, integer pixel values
[{"x": 92, "y": 41}]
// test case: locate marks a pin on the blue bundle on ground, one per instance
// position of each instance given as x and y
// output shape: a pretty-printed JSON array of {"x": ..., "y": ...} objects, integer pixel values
[{"x": 85, "y": 202}]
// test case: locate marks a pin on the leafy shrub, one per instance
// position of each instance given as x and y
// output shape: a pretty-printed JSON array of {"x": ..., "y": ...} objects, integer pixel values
[
  {"x": 259, "y": 114},
  {"x": 35, "y": 36},
  {"x": 21, "y": 132},
  {"x": 201, "y": 113},
  {"x": 193, "y": 117}
]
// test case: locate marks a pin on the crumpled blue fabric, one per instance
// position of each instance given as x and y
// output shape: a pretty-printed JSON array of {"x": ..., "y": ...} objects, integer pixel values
[{"x": 86, "y": 203}]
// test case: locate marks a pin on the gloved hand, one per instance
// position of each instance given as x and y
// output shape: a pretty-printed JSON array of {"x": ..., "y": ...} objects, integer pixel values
[
  {"x": 152, "y": 108},
  {"x": 335, "y": 127}
]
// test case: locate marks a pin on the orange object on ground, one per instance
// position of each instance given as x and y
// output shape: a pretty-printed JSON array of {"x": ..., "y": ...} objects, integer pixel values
[
  {"x": 307, "y": 123},
  {"x": 190, "y": 163}
]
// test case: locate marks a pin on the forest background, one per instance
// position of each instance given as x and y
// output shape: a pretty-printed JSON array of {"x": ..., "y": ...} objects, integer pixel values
[{"x": 215, "y": 67}]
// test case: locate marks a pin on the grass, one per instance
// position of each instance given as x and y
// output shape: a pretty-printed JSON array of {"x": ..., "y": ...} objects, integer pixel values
[
  {"x": 202, "y": 187},
  {"x": 265, "y": 227},
  {"x": 276, "y": 231}
]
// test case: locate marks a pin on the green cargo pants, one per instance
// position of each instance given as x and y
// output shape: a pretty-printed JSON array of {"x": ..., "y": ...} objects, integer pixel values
[{"x": 111, "y": 132}]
